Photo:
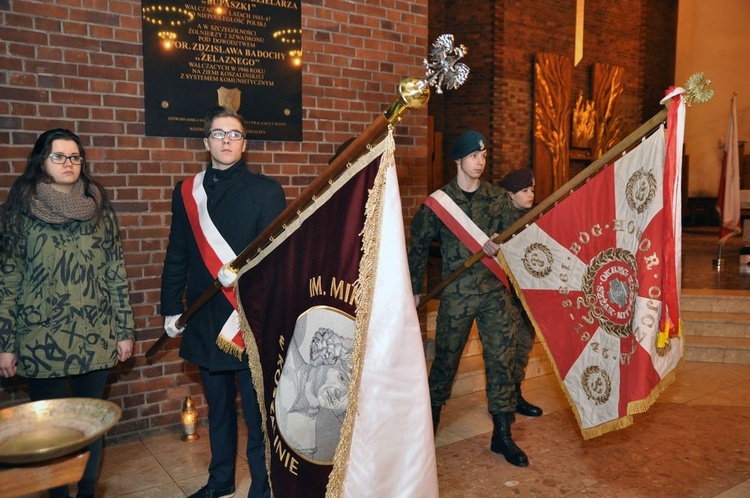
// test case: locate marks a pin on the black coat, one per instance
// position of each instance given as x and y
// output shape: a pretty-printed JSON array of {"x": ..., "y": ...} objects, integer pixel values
[{"x": 241, "y": 204}]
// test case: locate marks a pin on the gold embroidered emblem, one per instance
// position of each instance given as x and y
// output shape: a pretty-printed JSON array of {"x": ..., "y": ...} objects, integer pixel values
[
  {"x": 640, "y": 190},
  {"x": 610, "y": 289},
  {"x": 538, "y": 260},
  {"x": 596, "y": 384}
]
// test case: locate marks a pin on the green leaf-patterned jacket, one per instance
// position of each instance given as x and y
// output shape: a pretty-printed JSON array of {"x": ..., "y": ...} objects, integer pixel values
[{"x": 64, "y": 300}]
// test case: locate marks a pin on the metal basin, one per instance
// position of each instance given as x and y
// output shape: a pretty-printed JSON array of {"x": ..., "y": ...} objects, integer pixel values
[{"x": 43, "y": 430}]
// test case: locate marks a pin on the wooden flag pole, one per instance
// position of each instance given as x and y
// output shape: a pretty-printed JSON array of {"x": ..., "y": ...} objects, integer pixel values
[
  {"x": 550, "y": 201},
  {"x": 413, "y": 94},
  {"x": 694, "y": 92}
]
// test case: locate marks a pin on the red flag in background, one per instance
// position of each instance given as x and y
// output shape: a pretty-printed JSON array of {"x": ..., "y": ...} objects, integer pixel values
[
  {"x": 728, "y": 202},
  {"x": 598, "y": 278},
  {"x": 335, "y": 347}
]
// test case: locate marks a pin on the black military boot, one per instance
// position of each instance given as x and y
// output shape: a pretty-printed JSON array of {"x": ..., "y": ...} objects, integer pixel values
[
  {"x": 502, "y": 441},
  {"x": 524, "y": 407},
  {"x": 435, "y": 418}
]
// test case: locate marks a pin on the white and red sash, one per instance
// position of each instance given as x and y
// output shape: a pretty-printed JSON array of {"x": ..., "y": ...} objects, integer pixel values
[
  {"x": 215, "y": 252},
  {"x": 464, "y": 229}
]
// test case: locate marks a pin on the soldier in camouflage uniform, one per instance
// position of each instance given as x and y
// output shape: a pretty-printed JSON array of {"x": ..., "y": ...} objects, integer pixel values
[
  {"x": 520, "y": 187},
  {"x": 477, "y": 294}
]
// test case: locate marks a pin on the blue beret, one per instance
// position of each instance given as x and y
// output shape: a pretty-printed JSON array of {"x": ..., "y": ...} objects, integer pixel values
[
  {"x": 517, "y": 180},
  {"x": 470, "y": 141}
]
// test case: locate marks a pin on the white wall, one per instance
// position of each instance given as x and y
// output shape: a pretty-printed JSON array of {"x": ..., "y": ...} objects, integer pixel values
[{"x": 713, "y": 38}]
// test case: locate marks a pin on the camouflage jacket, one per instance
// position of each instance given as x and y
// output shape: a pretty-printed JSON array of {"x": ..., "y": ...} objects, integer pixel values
[
  {"x": 64, "y": 300},
  {"x": 489, "y": 208}
]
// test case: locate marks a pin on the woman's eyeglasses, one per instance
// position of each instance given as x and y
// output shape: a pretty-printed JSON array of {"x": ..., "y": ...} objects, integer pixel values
[{"x": 61, "y": 158}]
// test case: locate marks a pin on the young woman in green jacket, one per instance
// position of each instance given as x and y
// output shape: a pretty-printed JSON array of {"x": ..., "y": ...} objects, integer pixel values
[{"x": 65, "y": 315}]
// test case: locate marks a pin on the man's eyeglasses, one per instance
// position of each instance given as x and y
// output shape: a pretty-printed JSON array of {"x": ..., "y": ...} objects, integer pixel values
[
  {"x": 220, "y": 134},
  {"x": 61, "y": 158}
]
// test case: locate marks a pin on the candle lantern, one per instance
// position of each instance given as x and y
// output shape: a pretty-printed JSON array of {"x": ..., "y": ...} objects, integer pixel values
[{"x": 189, "y": 420}]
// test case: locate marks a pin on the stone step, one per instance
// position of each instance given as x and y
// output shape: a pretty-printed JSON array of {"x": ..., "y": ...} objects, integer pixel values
[
  {"x": 715, "y": 300},
  {"x": 470, "y": 376},
  {"x": 539, "y": 363},
  {"x": 715, "y": 324},
  {"x": 718, "y": 349}
]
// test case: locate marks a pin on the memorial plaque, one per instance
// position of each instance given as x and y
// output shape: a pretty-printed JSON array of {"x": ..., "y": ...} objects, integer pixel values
[{"x": 242, "y": 54}]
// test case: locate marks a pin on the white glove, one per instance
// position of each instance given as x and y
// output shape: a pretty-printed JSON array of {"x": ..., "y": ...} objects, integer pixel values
[
  {"x": 227, "y": 276},
  {"x": 417, "y": 298},
  {"x": 170, "y": 325}
]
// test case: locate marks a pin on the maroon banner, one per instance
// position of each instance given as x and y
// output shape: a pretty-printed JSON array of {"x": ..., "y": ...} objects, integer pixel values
[{"x": 299, "y": 303}]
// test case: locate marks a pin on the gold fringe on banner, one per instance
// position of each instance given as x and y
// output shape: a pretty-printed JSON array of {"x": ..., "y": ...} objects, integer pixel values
[
  {"x": 229, "y": 347},
  {"x": 253, "y": 361},
  {"x": 368, "y": 270}
]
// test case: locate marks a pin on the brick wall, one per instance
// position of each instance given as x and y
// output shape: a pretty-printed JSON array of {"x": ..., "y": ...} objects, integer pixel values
[
  {"x": 470, "y": 107},
  {"x": 77, "y": 64}
]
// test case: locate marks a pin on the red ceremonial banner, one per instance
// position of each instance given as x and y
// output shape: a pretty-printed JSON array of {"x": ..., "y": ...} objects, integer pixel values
[{"x": 597, "y": 276}]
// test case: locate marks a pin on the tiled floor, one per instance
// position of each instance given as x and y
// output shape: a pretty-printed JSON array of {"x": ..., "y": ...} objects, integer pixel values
[{"x": 694, "y": 442}]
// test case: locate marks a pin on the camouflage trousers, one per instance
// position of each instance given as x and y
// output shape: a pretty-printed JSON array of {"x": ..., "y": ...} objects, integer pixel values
[
  {"x": 525, "y": 335},
  {"x": 497, "y": 332}
]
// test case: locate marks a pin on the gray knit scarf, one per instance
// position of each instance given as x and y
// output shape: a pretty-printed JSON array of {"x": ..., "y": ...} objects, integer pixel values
[{"x": 53, "y": 206}]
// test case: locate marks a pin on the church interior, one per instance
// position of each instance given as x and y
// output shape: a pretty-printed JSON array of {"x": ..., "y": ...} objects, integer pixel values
[{"x": 553, "y": 86}]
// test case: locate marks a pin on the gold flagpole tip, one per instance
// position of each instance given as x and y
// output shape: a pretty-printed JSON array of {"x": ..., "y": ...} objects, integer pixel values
[
  {"x": 696, "y": 91},
  {"x": 443, "y": 69}
]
